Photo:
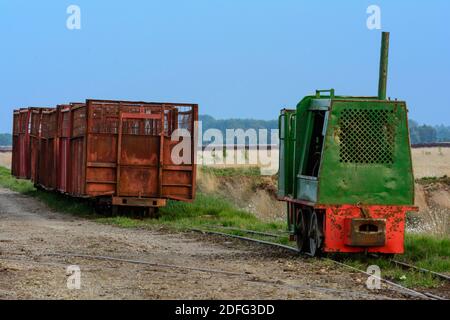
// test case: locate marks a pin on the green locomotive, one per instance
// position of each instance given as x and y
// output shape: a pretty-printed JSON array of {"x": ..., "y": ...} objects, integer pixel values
[{"x": 346, "y": 170}]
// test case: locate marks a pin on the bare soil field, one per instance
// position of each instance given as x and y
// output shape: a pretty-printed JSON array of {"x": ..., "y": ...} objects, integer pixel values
[
  {"x": 36, "y": 247},
  {"x": 257, "y": 195},
  {"x": 5, "y": 159},
  {"x": 431, "y": 162}
]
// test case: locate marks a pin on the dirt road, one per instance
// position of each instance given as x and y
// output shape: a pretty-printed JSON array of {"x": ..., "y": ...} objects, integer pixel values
[{"x": 31, "y": 235}]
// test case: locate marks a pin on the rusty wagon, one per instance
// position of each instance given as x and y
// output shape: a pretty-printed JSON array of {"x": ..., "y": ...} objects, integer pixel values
[
  {"x": 118, "y": 153},
  {"x": 21, "y": 139}
]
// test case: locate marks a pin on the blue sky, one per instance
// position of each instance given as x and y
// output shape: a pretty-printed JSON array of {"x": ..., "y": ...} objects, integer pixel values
[{"x": 246, "y": 58}]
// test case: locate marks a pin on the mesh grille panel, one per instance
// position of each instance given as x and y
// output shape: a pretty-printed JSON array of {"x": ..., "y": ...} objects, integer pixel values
[{"x": 366, "y": 136}]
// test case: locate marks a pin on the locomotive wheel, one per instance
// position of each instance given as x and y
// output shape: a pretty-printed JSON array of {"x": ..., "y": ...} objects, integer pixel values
[
  {"x": 314, "y": 235},
  {"x": 301, "y": 232}
]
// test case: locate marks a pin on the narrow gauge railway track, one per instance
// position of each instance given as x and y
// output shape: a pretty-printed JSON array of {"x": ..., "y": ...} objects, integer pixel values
[
  {"x": 273, "y": 244},
  {"x": 411, "y": 292},
  {"x": 265, "y": 234},
  {"x": 247, "y": 277}
]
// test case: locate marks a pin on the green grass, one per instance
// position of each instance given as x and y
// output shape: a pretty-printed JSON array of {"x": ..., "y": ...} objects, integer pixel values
[
  {"x": 432, "y": 253},
  {"x": 204, "y": 212},
  {"x": 407, "y": 278},
  {"x": 9, "y": 182},
  {"x": 54, "y": 201}
]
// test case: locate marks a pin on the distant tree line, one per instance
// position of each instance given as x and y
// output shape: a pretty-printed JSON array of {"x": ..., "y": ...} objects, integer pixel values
[
  {"x": 5, "y": 139},
  {"x": 419, "y": 133},
  {"x": 428, "y": 134},
  {"x": 209, "y": 122}
]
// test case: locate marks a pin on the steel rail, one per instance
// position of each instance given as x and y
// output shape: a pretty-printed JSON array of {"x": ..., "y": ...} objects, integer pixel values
[
  {"x": 410, "y": 292},
  {"x": 273, "y": 235},
  {"x": 248, "y": 277},
  {"x": 153, "y": 264},
  {"x": 278, "y": 245},
  {"x": 410, "y": 266},
  {"x": 434, "y": 297}
]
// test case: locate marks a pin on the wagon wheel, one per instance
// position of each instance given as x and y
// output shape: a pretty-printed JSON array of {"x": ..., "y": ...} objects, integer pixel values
[
  {"x": 300, "y": 229},
  {"x": 115, "y": 211},
  {"x": 315, "y": 235},
  {"x": 151, "y": 212}
]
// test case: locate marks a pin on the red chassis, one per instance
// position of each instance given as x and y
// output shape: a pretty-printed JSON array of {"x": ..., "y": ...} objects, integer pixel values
[
  {"x": 356, "y": 228},
  {"x": 379, "y": 229}
]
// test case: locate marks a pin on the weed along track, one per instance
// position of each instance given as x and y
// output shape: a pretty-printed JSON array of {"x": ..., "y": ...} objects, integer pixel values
[{"x": 409, "y": 266}]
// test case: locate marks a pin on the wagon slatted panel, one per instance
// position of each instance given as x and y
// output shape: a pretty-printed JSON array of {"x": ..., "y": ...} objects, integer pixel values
[
  {"x": 23, "y": 143},
  {"x": 15, "y": 166},
  {"x": 76, "y": 184},
  {"x": 63, "y": 163},
  {"x": 129, "y": 150},
  {"x": 178, "y": 176},
  {"x": 35, "y": 130},
  {"x": 47, "y": 173}
]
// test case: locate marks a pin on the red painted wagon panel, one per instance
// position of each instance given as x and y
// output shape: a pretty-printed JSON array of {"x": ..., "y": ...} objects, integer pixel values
[
  {"x": 178, "y": 179},
  {"x": 47, "y": 172},
  {"x": 64, "y": 117},
  {"x": 35, "y": 136},
  {"x": 21, "y": 144},
  {"x": 15, "y": 164},
  {"x": 77, "y": 151}
]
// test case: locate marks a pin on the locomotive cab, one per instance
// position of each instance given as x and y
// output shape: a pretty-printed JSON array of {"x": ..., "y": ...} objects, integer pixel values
[{"x": 346, "y": 171}]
